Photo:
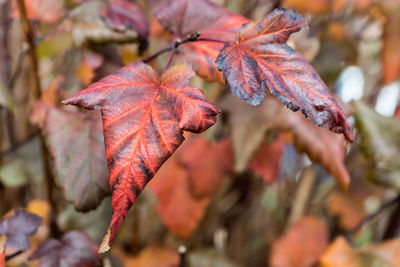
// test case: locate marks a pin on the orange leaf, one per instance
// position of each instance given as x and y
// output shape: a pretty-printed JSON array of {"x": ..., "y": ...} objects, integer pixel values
[
  {"x": 391, "y": 43},
  {"x": 43, "y": 10},
  {"x": 302, "y": 245},
  {"x": 341, "y": 254},
  {"x": 179, "y": 209},
  {"x": 151, "y": 256},
  {"x": 206, "y": 163}
]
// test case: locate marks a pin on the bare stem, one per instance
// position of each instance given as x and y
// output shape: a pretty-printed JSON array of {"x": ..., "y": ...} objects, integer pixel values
[
  {"x": 370, "y": 217},
  {"x": 169, "y": 59},
  {"x": 210, "y": 40},
  {"x": 195, "y": 37},
  {"x": 30, "y": 39},
  {"x": 303, "y": 193}
]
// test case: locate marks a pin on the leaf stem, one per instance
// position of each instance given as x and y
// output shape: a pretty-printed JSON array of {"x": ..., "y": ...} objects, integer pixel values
[
  {"x": 169, "y": 59},
  {"x": 384, "y": 206},
  {"x": 210, "y": 40},
  {"x": 195, "y": 37}
]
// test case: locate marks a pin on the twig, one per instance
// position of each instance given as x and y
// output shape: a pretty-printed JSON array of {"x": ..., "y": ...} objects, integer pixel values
[
  {"x": 18, "y": 68},
  {"x": 169, "y": 59},
  {"x": 367, "y": 219},
  {"x": 17, "y": 145},
  {"x": 15, "y": 254},
  {"x": 393, "y": 225},
  {"x": 30, "y": 39},
  {"x": 210, "y": 40},
  {"x": 162, "y": 51},
  {"x": 302, "y": 197},
  {"x": 195, "y": 37}
]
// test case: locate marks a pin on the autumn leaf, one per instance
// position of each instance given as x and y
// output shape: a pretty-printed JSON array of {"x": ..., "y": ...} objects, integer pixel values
[
  {"x": 266, "y": 161},
  {"x": 85, "y": 71},
  {"x": 347, "y": 209},
  {"x": 121, "y": 15},
  {"x": 87, "y": 24},
  {"x": 151, "y": 256},
  {"x": 178, "y": 207},
  {"x": 2, "y": 259},
  {"x": 259, "y": 58},
  {"x": 185, "y": 183},
  {"x": 391, "y": 42},
  {"x": 341, "y": 254},
  {"x": 18, "y": 227},
  {"x": 380, "y": 140},
  {"x": 49, "y": 11},
  {"x": 73, "y": 249},
  {"x": 143, "y": 122},
  {"x": 49, "y": 99},
  {"x": 254, "y": 123},
  {"x": 321, "y": 145},
  {"x": 75, "y": 141},
  {"x": 185, "y": 17},
  {"x": 207, "y": 163},
  {"x": 302, "y": 245}
]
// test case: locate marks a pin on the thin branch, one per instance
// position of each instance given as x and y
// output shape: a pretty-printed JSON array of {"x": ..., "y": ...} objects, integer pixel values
[
  {"x": 195, "y": 37},
  {"x": 17, "y": 145},
  {"x": 210, "y": 40},
  {"x": 303, "y": 194},
  {"x": 18, "y": 68},
  {"x": 394, "y": 223},
  {"x": 30, "y": 39},
  {"x": 15, "y": 254},
  {"x": 370, "y": 217},
  {"x": 162, "y": 51},
  {"x": 169, "y": 59}
]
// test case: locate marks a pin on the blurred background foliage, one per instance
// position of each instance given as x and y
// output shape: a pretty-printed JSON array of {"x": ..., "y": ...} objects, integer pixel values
[{"x": 263, "y": 187}]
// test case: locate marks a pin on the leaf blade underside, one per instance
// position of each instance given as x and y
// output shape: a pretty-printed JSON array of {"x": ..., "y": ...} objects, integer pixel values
[
  {"x": 143, "y": 122},
  {"x": 260, "y": 60}
]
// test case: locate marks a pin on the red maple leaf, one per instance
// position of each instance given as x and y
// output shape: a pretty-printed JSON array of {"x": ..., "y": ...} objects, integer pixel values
[
  {"x": 259, "y": 58},
  {"x": 143, "y": 122},
  {"x": 184, "y": 17}
]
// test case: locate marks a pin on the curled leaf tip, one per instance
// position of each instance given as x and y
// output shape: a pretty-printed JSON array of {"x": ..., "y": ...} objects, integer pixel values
[{"x": 104, "y": 246}]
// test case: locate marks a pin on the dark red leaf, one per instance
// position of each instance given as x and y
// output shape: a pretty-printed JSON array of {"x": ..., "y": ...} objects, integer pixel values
[
  {"x": 121, "y": 15},
  {"x": 18, "y": 227},
  {"x": 143, "y": 121},
  {"x": 75, "y": 140},
  {"x": 184, "y": 17},
  {"x": 266, "y": 161},
  {"x": 260, "y": 58},
  {"x": 74, "y": 249}
]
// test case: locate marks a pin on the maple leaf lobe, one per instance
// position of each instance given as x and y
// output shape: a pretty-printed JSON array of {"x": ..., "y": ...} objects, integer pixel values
[
  {"x": 260, "y": 60},
  {"x": 143, "y": 122}
]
